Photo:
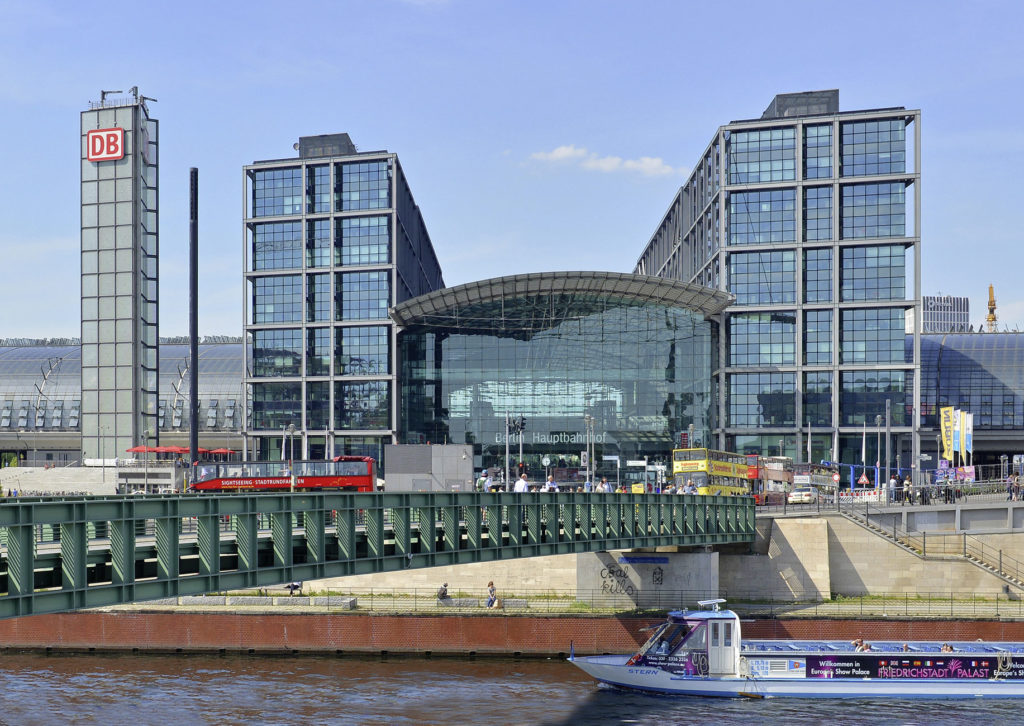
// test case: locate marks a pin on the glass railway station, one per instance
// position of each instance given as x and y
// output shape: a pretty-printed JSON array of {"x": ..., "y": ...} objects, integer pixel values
[{"x": 628, "y": 357}]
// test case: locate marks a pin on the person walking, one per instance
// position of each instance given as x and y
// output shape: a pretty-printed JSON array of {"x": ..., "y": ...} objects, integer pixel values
[{"x": 522, "y": 485}]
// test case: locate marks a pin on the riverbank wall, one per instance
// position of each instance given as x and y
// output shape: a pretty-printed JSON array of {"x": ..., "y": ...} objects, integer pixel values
[{"x": 427, "y": 635}]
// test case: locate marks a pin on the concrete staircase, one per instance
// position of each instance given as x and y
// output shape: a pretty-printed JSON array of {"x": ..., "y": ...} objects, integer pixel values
[
  {"x": 70, "y": 480},
  {"x": 973, "y": 551}
]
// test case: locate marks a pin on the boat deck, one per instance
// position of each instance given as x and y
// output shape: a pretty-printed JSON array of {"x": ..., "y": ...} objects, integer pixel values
[{"x": 879, "y": 646}]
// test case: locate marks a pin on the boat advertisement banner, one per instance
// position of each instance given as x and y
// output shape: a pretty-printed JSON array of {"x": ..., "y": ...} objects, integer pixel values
[{"x": 967, "y": 665}]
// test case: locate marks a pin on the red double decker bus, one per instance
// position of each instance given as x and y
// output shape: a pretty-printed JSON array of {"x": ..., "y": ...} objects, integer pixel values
[{"x": 343, "y": 473}]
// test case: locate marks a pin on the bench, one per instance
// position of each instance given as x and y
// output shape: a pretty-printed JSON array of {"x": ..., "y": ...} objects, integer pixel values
[
  {"x": 514, "y": 603},
  {"x": 459, "y": 602}
]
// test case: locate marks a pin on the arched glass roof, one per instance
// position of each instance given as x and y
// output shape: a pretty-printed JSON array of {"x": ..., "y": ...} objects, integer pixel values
[{"x": 521, "y": 305}]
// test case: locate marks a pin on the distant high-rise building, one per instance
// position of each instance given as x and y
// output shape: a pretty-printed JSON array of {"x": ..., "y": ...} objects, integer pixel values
[
  {"x": 333, "y": 239},
  {"x": 945, "y": 314},
  {"x": 120, "y": 245},
  {"x": 810, "y": 217}
]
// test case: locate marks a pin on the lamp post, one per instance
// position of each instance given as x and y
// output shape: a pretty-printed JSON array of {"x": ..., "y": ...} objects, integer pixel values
[
  {"x": 782, "y": 443},
  {"x": 878, "y": 449},
  {"x": 690, "y": 440},
  {"x": 145, "y": 443},
  {"x": 588, "y": 428},
  {"x": 291, "y": 454}
]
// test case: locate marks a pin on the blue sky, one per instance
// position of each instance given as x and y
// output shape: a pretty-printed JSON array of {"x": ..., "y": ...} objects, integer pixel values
[{"x": 535, "y": 135}]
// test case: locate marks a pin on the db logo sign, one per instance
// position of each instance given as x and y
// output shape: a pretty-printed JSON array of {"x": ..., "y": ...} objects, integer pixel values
[{"x": 105, "y": 144}]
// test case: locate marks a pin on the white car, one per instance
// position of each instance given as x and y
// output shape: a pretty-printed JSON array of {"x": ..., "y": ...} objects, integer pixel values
[{"x": 803, "y": 495}]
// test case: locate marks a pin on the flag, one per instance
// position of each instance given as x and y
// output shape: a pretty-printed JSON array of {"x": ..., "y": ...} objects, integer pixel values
[
  {"x": 808, "y": 441},
  {"x": 864, "y": 446},
  {"x": 946, "y": 424},
  {"x": 835, "y": 445},
  {"x": 968, "y": 434}
]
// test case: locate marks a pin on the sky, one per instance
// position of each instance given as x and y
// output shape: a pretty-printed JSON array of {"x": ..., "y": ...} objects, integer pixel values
[{"x": 536, "y": 135}]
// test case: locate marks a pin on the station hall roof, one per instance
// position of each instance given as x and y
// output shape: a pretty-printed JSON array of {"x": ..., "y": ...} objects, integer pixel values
[{"x": 488, "y": 303}]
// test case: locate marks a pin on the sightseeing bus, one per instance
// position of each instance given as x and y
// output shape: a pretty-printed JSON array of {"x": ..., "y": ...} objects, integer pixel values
[
  {"x": 712, "y": 472},
  {"x": 343, "y": 473},
  {"x": 771, "y": 477}
]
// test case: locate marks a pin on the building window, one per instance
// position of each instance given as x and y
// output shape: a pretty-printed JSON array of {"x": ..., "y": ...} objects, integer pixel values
[
  {"x": 318, "y": 351},
  {"x": 761, "y": 339},
  {"x": 762, "y": 217},
  {"x": 318, "y": 405},
  {"x": 363, "y": 241},
  {"x": 873, "y": 210},
  {"x": 817, "y": 275},
  {"x": 362, "y": 296},
  {"x": 862, "y": 396},
  {"x": 277, "y": 246},
  {"x": 818, "y": 151},
  {"x": 277, "y": 299},
  {"x": 277, "y": 353},
  {"x": 818, "y": 398},
  {"x": 763, "y": 278},
  {"x": 762, "y": 399},
  {"x": 874, "y": 335},
  {"x": 765, "y": 155},
  {"x": 277, "y": 191},
  {"x": 365, "y": 185},
  {"x": 818, "y": 337},
  {"x": 318, "y": 189},
  {"x": 318, "y": 243},
  {"x": 873, "y": 273},
  {"x": 873, "y": 147},
  {"x": 817, "y": 213},
  {"x": 363, "y": 351},
  {"x": 362, "y": 405},
  {"x": 318, "y": 290},
  {"x": 275, "y": 405}
]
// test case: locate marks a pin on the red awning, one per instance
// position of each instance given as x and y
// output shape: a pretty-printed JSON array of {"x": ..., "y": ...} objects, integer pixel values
[
  {"x": 221, "y": 451},
  {"x": 140, "y": 449}
]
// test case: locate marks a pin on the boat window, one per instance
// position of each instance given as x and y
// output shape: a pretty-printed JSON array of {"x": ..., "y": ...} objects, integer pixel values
[
  {"x": 655, "y": 637},
  {"x": 714, "y": 635},
  {"x": 695, "y": 640},
  {"x": 727, "y": 635}
]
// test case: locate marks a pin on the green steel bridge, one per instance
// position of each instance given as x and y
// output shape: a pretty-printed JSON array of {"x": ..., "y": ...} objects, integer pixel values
[{"x": 79, "y": 552}]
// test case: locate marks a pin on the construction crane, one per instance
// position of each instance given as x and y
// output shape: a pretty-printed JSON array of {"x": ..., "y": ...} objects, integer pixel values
[{"x": 990, "y": 319}]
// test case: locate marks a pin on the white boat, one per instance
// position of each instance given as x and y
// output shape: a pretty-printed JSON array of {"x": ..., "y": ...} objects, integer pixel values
[{"x": 701, "y": 653}]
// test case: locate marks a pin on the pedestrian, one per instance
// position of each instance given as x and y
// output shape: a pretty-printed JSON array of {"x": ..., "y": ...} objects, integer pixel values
[
  {"x": 550, "y": 485},
  {"x": 522, "y": 485},
  {"x": 492, "y": 594}
]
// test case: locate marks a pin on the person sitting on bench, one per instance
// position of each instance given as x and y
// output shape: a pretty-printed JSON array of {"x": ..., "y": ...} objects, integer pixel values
[{"x": 292, "y": 587}]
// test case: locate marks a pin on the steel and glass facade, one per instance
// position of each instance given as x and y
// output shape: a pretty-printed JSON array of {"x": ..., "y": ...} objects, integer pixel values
[
  {"x": 332, "y": 240},
  {"x": 811, "y": 218},
  {"x": 120, "y": 300},
  {"x": 632, "y": 353}
]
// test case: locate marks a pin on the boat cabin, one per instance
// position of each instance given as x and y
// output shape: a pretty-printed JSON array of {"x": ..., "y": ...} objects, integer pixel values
[{"x": 703, "y": 642}]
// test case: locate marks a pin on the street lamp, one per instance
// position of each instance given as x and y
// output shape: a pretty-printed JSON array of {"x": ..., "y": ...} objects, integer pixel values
[
  {"x": 878, "y": 449},
  {"x": 291, "y": 454},
  {"x": 781, "y": 444},
  {"x": 145, "y": 442}
]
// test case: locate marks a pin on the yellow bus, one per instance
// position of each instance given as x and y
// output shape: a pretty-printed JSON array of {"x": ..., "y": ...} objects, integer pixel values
[{"x": 712, "y": 472}]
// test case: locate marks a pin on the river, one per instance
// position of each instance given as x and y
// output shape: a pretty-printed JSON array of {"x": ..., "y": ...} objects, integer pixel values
[{"x": 182, "y": 690}]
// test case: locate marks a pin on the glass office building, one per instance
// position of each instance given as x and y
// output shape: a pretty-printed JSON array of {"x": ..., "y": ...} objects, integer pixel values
[
  {"x": 632, "y": 353},
  {"x": 945, "y": 314},
  {"x": 332, "y": 240},
  {"x": 120, "y": 246},
  {"x": 810, "y": 216}
]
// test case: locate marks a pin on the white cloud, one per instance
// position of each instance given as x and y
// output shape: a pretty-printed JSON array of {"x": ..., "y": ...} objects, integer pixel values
[
  {"x": 562, "y": 153},
  {"x": 590, "y": 161}
]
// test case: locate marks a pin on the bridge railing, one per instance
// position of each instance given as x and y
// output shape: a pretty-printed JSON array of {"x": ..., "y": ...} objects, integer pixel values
[{"x": 75, "y": 552}]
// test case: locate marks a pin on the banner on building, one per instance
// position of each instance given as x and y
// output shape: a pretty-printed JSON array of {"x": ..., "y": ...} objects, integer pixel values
[{"x": 946, "y": 429}]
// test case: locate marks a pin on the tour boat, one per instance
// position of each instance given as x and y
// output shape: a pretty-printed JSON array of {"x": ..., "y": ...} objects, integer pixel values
[{"x": 701, "y": 653}]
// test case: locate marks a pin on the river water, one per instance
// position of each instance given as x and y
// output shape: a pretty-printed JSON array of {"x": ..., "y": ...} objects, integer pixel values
[{"x": 177, "y": 690}]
